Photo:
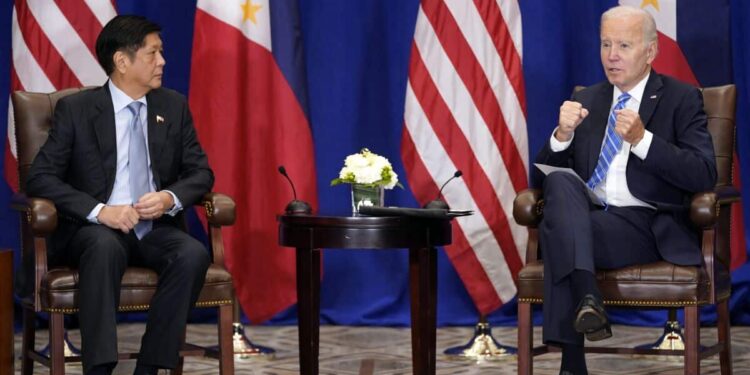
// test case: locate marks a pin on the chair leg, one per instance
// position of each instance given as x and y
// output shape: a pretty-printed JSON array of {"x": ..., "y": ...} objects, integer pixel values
[
  {"x": 692, "y": 340},
  {"x": 181, "y": 359},
  {"x": 525, "y": 339},
  {"x": 56, "y": 337},
  {"x": 725, "y": 356},
  {"x": 178, "y": 369},
  {"x": 226, "y": 349},
  {"x": 29, "y": 338}
]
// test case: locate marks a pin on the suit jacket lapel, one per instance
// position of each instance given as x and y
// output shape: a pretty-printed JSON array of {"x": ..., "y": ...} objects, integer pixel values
[
  {"x": 104, "y": 127},
  {"x": 598, "y": 117},
  {"x": 158, "y": 125},
  {"x": 651, "y": 97}
]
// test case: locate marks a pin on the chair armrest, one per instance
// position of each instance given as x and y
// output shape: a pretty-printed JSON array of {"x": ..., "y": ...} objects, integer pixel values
[
  {"x": 528, "y": 207},
  {"x": 41, "y": 213},
  {"x": 220, "y": 209},
  {"x": 705, "y": 206}
]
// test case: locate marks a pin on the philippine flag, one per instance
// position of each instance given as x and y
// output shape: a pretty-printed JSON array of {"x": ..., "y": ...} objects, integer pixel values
[{"x": 248, "y": 96}]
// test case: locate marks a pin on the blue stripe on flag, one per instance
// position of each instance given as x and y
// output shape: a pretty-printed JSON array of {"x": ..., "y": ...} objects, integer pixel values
[
  {"x": 703, "y": 35},
  {"x": 286, "y": 39}
]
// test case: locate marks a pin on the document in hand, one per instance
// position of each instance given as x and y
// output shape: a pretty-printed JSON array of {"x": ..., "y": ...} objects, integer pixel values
[
  {"x": 433, "y": 213},
  {"x": 547, "y": 169}
]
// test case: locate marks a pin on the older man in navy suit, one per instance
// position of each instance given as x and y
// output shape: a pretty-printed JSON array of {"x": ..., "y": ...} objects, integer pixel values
[
  {"x": 120, "y": 163},
  {"x": 639, "y": 142}
]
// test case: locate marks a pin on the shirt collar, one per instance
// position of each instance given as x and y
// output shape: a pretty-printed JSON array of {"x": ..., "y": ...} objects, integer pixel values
[
  {"x": 120, "y": 100},
  {"x": 637, "y": 91}
]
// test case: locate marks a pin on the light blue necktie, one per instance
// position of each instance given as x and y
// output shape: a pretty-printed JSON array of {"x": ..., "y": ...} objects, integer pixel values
[
  {"x": 612, "y": 144},
  {"x": 138, "y": 165}
]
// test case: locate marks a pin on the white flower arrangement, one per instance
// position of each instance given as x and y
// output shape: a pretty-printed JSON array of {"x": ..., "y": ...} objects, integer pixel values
[{"x": 367, "y": 168}]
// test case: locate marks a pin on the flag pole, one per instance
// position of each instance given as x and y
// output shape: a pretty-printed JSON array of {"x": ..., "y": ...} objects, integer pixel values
[
  {"x": 482, "y": 346},
  {"x": 244, "y": 349},
  {"x": 670, "y": 339}
]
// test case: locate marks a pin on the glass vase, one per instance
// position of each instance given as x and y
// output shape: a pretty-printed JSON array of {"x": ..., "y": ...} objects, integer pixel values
[{"x": 366, "y": 195}]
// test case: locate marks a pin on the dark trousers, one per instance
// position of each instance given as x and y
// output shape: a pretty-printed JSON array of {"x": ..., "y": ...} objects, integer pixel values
[
  {"x": 575, "y": 234},
  {"x": 101, "y": 255}
]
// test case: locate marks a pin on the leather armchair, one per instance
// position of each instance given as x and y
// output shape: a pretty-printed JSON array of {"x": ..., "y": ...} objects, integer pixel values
[
  {"x": 660, "y": 284},
  {"x": 55, "y": 290}
]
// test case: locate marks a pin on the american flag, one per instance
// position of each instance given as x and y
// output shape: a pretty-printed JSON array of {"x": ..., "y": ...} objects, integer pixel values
[
  {"x": 466, "y": 110},
  {"x": 53, "y": 48}
]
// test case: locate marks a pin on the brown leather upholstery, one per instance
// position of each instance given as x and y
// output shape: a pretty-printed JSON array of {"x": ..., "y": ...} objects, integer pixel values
[
  {"x": 55, "y": 290},
  {"x": 59, "y": 289},
  {"x": 659, "y": 284}
]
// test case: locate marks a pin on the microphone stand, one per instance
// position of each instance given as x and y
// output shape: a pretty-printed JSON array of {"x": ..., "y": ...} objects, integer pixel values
[{"x": 438, "y": 203}]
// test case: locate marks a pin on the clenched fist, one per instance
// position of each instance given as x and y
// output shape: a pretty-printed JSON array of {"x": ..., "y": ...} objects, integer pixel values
[
  {"x": 629, "y": 126},
  {"x": 571, "y": 115}
]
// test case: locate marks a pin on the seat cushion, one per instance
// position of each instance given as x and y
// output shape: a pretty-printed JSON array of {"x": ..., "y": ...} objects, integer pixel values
[
  {"x": 59, "y": 289},
  {"x": 659, "y": 284}
]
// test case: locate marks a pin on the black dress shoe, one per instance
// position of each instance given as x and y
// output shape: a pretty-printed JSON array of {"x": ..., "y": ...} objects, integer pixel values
[{"x": 591, "y": 319}]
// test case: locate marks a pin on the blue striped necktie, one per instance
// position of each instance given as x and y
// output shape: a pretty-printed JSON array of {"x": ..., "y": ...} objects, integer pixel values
[
  {"x": 612, "y": 144},
  {"x": 138, "y": 165}
]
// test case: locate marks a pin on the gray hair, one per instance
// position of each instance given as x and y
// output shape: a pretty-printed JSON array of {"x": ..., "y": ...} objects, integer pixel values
[{"x": 649, "y": 25}]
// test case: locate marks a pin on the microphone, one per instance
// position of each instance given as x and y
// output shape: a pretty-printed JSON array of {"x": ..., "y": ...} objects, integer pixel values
[
  {"x": 438, "y": 203},
  {"x": 295, "y": 207}
]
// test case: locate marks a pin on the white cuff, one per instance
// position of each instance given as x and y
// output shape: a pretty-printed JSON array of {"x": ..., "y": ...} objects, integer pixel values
[
  {"x": 641, "y": 149},
  {"x": 177, "y": 204},
  {"x": 94, "y": 213},
  {"x": 557, "y": 145}
]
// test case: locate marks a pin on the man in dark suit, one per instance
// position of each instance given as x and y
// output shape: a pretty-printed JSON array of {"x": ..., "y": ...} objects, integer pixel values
[
  {"x": 639, "y": 143},
  {"x": 120, "y": 164}
]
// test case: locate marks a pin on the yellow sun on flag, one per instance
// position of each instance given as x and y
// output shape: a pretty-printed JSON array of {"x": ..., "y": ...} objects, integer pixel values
[
  {"x": 653, "y": 3},
  {"x": 248, "y": 11}
]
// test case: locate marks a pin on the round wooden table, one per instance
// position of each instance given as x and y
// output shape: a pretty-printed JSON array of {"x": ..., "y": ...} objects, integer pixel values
[{"x": 309, "y": 234}]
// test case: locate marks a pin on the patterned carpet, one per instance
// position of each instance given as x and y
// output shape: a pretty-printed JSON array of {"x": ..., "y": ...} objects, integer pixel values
[{"x": 355, "y": 350}]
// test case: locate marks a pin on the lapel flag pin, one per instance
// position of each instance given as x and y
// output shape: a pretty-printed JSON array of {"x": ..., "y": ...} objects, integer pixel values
[
  {"x": 159, "y": 119},
  {"x": 653, "y": 96}
]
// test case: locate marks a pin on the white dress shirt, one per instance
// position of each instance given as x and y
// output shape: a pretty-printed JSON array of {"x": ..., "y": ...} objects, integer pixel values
[
  {"x": 614, "y": 188},
  {"x": 123, "y": 118}
]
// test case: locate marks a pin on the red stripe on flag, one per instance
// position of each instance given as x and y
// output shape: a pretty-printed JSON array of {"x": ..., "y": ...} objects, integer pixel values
[
  {"x": 497, "y": 28},
  {"x": 737, "y": 243},
  {"x": 83, "y": 20},
  {"x": 249, "y": 122},
  {"x": 473, "y": 77},
  {"x": 461, "y": 154},
  {"x": 10, "y": 165},
  {"x": 51, "y": 62},
  {"x": 671, "y": 61},
  {"x": 463, "y": 258}
]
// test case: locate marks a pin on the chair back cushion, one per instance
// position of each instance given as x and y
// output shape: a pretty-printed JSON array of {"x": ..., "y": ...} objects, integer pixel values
[
  {"x": 719, "y": 103},
  {"x": 33, "y": 113}
]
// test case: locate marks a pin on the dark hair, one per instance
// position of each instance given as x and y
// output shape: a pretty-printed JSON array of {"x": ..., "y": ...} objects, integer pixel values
[{"x": 122, "y": 33}]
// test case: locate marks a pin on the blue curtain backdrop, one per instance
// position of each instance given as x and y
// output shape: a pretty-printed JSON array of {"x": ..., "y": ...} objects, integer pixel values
[{"x": 357, "y": 55}]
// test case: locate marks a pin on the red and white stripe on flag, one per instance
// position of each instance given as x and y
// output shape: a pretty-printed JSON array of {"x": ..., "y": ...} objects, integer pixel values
[
  {"x": 53, "y": 48},
  {"x": 465, "y": 109},
  {"x": 672, "y": 61}
]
